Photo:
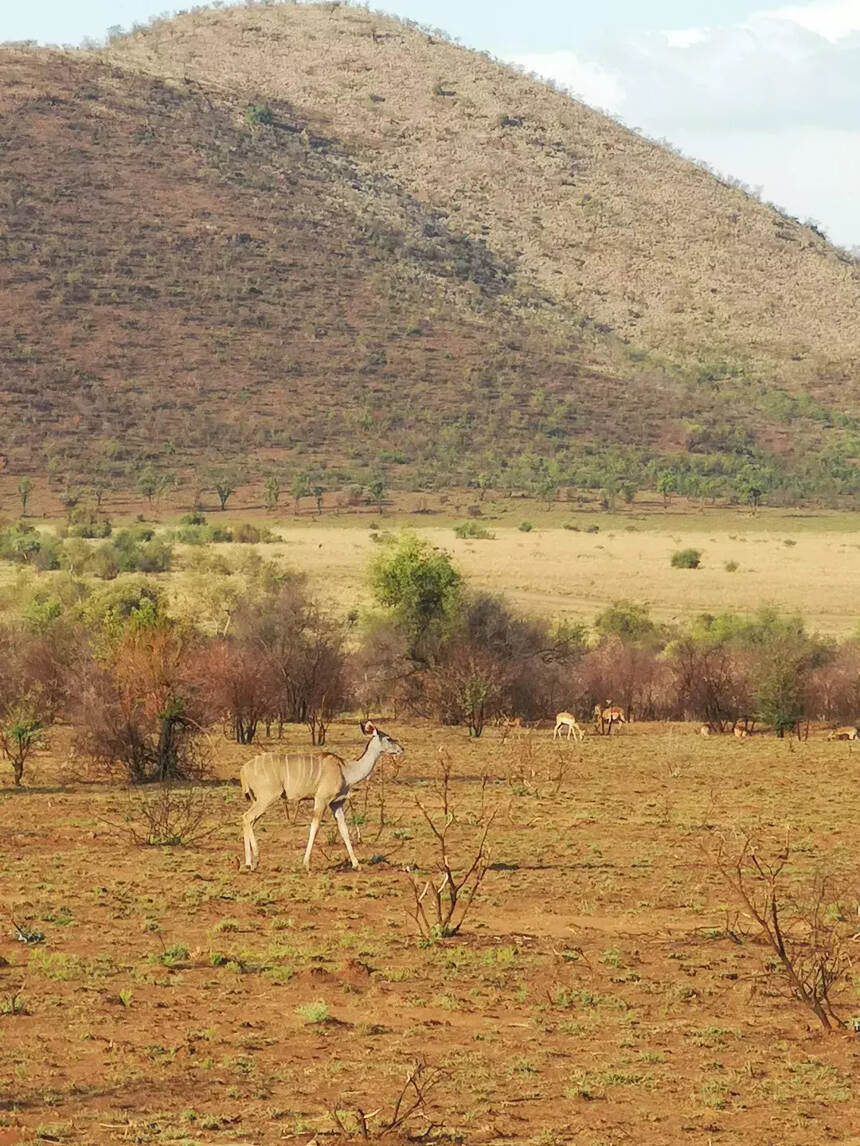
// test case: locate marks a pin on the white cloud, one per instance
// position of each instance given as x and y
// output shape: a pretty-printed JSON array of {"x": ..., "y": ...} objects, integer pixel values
[
  {"x": 685, "y": 37},
  {"x": 834, "y": 19},
  {"x": 773, "y": 101},
  {"x": 585, "y": 79}
]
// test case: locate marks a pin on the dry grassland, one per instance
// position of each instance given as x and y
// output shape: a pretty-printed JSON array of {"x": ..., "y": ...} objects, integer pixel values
[
  {"x": 802, "y": 566},
  {"x": 604, "y": 990}
]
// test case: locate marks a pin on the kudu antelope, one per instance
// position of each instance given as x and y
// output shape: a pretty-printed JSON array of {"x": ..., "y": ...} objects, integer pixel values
[
  {"x": 325, "y": 778},
  {"x": 847, "y": 732},
  {"x": 740, "y": 733},
  {"x": 567, "y": 719},
  {"x": 705, "y": 730}
]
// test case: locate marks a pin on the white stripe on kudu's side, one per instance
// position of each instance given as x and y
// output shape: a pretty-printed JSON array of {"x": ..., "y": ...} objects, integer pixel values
[{"x": 323, "y": 777}]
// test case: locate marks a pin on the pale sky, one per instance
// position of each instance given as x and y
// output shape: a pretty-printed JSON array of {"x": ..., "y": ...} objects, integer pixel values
[{"x": 766, "y": 92}]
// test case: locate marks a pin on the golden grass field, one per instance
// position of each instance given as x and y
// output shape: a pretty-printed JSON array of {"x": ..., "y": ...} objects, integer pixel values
[
  {"x": 604, "y": 989},
  {"x": 804, "y": 562}
]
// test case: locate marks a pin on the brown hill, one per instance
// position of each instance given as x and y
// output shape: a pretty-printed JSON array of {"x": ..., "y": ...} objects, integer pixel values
[
  {"x": 273, "y": 236},
  {"x": 673, "y": 259}
]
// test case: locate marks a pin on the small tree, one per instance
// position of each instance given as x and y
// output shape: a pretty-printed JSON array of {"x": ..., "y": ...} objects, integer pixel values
[
  {"x": 667, "y": 484},
  {"x": 421, "y": 586},
  {"x": 147, "y": 484},
  {"x": 20, "y": 735},
  {"x": 225, "y": 483},
  {"x": 24, "y": 486},
  {"x": 300, "y": 488},
  {"x": 376, "y": 489},
  {"x": 318, "y": 495},
  {"x": 271, "y": 493}
]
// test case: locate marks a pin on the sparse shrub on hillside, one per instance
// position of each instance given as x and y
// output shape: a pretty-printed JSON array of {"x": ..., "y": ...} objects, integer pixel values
[
  {"x": 300, "y": 487},
  {"x": 24, "y": 487},
  {"x": 259, "y": 115},
  {"x": 376, "y": 489},
  {"x": 525, "y": 527},
  {"x": 153, "y": 484},
  {"x": 472, "y": 530},
  {"x": 225, "y": 481},
  {"x": 271, "y": 492},
  {"x": 686, "y": 559},
  {"x": 193, "y": 518},
  {"x": 731, "y": 566}
]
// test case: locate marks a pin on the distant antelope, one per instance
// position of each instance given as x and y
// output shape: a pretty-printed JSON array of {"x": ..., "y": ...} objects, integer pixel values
[
  {"x": 509, "y": 724},
  {"x": 705, "y": 730},
  {"x": 567, "y": 719},
  {"x": 847, "y": 732},
  {"x": 740, "y": 733},
  {"x": 325, "y": 778},
  {"x": 604, "y": 718}
]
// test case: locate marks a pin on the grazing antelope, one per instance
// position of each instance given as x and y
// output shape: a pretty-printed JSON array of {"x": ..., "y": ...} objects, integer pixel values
[
  {"x": 325, "y": 778},
  {"x": 604, "y": 718},
  {"x": 568, "y": 719},
  {"x": 847, "y": 732},
  {"x": 740, "y": 733}
]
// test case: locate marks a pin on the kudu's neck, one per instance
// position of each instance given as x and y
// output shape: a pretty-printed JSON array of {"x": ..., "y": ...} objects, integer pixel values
[{"x": 357, "y": 770}]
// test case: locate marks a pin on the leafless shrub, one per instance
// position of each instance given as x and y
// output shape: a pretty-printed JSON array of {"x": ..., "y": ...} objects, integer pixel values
[
  {"x": 805, "y": 927},
  {"x": 166, "y": 815},
  {"x": 410, "y": 1106},
  {"x": 528, "y": 771},
  {"x": 239, "y": 683},
  {"x": 442, "y": 901}
]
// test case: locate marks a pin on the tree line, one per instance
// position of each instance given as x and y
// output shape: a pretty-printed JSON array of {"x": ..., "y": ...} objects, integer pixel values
[{"x": 146, "y": 686}]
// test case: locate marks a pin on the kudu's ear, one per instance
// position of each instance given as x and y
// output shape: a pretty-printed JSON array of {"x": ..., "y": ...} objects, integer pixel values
[{"x": 367, "y": 727}]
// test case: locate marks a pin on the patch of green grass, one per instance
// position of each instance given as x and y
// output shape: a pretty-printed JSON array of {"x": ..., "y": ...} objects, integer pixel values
[{"x": 313, "y": 1012}]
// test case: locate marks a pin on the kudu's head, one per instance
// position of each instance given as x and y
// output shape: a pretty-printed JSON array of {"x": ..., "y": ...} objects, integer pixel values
[{"x": 387, "y": 744}]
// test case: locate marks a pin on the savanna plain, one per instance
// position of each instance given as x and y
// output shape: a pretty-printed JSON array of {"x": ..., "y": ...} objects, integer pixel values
[{"x": 605, "y": 981}]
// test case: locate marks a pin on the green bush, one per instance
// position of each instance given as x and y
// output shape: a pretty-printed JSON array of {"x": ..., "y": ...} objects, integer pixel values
[
  {"x": 731, "y": 566},
  {"x": 525, "y": 527},
  {"x": 193, "y": 518},
  {"x": 471, "y": 529},
  {"x": 686, "y": 559},
  {"x": 87, "y": 523},
  {"x": 24, "y": 545},
  {"x": 259, "y": 114}
]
